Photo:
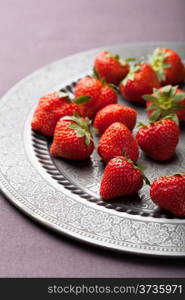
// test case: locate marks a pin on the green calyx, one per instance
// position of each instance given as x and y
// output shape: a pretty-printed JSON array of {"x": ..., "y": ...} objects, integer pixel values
[
  {"x": 158, "y": 62},
  {"x": 122, "y": 61},
  {"x": 81, "y": 99},
  {"x": 114, "y": 87},
  {"x": 164, "y": 102},
  {"x": 131, "y": 74},
  {"x": 82, "y": 126},
  {"x": 141, "y": 125},
  {"x": 116, "y": 56},
  {"x": 171, "y": 116},
  {"x": 96, "y": 75}
]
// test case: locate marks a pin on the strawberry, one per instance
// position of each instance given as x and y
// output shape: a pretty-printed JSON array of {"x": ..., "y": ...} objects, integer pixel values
[
  {"x": 50, "y": 109},
  {"x": 117, "y": 140},
  {"x": 140, "y": 80},
  {"x": 168, "y": 66},
  {"x": 107, "y": 96},
  {"x": 100, "y": 94},
  {"x": 70, "y": 109},
  {"x": 115, "y": 113},
  {"x": 165, "y": 101},
  {"x": 111, "y": 67},
  {"x": 159, "y": 139},
  {"x": 121, "y": 177},
  {"x": 72, "y": 138},
  {"x": 169, "y": 193}
]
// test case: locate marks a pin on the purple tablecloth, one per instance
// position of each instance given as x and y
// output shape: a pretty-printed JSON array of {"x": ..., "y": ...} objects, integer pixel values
[{"x": 32, "y": 34}]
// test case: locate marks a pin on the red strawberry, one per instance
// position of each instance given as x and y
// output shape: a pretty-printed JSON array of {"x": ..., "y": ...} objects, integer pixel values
[
  {"x": 121, "y": 177},
  {"x": 100, "y": 95},
  {"x": 168, "y": 66},
  {"x": 72, "y": 138},
  {"x": 165, "y": 101},
  {"x": 115, "y": 113},
  {"x": 117, "y": 140},
  {"x": 50, "y": 109},
  {"x": 159, "y": 140},
  {"x": 70, "y": 109},
  {"x": 107, "y": 96},
  {"x": 111, "y": 67},
  {"x": 169, "y": 193},
  {"x": 140, "y": 80}
]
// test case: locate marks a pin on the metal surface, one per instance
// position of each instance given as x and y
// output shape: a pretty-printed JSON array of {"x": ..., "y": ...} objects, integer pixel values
[{"x": 64, "y": 195}]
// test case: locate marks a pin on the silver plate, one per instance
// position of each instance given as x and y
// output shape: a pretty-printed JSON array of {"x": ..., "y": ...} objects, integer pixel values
[{"x": 63, "y": 195}]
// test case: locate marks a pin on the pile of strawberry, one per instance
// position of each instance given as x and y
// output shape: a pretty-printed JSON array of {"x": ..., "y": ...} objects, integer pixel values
[{"x": 94, "y": 109}]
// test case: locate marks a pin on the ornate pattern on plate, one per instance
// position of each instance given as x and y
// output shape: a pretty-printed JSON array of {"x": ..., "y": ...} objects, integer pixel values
[{"x": 25, "y": 183}]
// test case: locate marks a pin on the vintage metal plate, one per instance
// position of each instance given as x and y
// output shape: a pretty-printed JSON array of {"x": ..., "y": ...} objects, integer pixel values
[{"x": 64, "y": 195}]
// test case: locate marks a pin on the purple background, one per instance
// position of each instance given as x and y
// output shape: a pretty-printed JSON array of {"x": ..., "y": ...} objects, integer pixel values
[{"x": 32, "y": 34}]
